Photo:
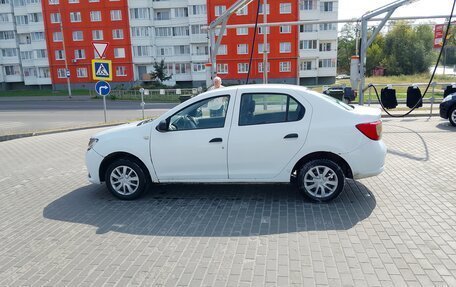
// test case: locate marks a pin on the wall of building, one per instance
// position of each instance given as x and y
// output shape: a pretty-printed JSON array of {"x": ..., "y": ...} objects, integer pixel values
[
  {"x": 78, "y": 36},
  {"x": 164, "y": 30}
]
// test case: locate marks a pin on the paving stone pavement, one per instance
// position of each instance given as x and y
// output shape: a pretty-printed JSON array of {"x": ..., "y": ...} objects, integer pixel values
[{"x": 397, "y": 229}]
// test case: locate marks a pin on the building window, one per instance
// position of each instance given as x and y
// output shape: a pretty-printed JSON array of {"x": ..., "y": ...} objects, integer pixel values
[
  {"x": 326, "y": 6},
  {"x": 285, "y": 66},
  {"x": 261, "y": 9},
  {"x": 75, "y": 17},
  {"x": 324, "y": 47},
  {"x": 59, "y": 55},
  {"x": 73, "y": 1},
  {"x": 242, "y": 49},
  {"x": 141, "y": 51},
  {"x": 95, "y": 16},
  {"x": 182, "y": 68},
  {"x": 199, "y": 9},
  {"x": 57, "y": 37},
  {"x": 219, "y": 10},
  {"x": 306, "y": 28},
  {"x": 116, "y": 15},
  {"x": 243, "y": 11},
  {"x": 222, "y": 68},
  {"x": 285, "y": 47},
  {"x": 285, "y": 8},
  {"x": 260, "y": 67},
  {"x": 306, "y": 65},
  {"x": 261, "y": 30},
  {"x": 79, "y": 54},
  {"x": 44, "y": 73},
  {"x": 199, "y": 67},
  {"x": 119, "y": 52},
  {"x": 328, "y": 27},
  {"x": 326, "y": 63},
  {"x": 97, "y": 34},
  {"x": 307, "y": 4},
  {"x": 308, "y": 44},
  {"x": 78, "y": 36},
  {"x": 61, "y": 73},
  {"x": 285, "y": 29},
  {"x": 117, "y": 34},
  {"x": 55, "y": 18},
  {"x": 181, "y": 12},
  {"x": 81, "y": 72},
  {"x": 53, "y": 2},
  {"x": 261, "y": 48},
  {"x": 242, "y": 31},
  {"x": 121, "y": 71},
  {"x": 243, "y": 68},
  {"x": 160, "y": 15},
  {"x": 139, "y": 13}
]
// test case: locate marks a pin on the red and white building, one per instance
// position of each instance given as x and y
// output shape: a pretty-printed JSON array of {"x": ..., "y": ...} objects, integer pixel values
[{"x": 33, "y": 34}]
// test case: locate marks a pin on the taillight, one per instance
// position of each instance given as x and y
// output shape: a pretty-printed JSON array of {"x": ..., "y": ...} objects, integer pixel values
[{"x": 371, "y": 130}]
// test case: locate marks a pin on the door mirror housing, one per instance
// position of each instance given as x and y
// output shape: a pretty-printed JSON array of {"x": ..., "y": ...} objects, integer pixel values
[{"x": 162, "y": 126}]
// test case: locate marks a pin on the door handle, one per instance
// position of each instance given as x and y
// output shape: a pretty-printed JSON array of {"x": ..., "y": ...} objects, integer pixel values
[
  {"x": 291, "y": 136},
  {"x": 216, "y": 140}
]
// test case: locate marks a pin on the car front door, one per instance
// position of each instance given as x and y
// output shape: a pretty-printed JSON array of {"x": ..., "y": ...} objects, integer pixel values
[
  {"x": 194, "y": 146},
  {"x": 268, "y": 130}
]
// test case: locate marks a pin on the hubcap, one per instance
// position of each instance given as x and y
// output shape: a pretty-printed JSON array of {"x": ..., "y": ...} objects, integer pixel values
[
  {"x": 453, "y": 116},
  {"x": 124, "y": 180},
  {"x": 321, "y": 181}
]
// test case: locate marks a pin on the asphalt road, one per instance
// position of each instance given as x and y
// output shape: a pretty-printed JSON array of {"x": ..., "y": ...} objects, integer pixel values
[
  {"x": 30, "y": 115},
  {"x": 396, "y": 229}
]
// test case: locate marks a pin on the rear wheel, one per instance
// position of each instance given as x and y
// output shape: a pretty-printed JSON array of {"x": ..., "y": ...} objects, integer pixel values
[
  {"x": 321, "y": 180},
  {"x": 125, "y": 179},
  {"x": 452, "y": 116}
]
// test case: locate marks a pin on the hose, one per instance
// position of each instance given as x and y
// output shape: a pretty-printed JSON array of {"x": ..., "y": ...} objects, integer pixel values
[{"x": 430, "y": 80}]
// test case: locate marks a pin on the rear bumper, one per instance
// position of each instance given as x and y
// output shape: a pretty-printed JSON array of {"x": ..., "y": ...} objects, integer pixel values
[
  {"x": 93, "y": 162},
  {"x": 368, "y": 160}
]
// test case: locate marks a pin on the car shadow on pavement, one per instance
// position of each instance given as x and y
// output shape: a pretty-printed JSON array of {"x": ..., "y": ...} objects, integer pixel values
[
  {"x": 446, "y": 126},
  {"x": 212, "y": 210}
]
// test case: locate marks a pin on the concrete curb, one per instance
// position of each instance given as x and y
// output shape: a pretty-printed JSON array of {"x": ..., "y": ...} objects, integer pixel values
[
  {"x": 412, "y": 115},
  {"x": 41, "y": 133}
]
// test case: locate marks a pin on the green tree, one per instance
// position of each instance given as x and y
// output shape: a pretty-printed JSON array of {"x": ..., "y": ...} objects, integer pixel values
[
  {"x": 408, "y": 50},
  {"x": 346, "y": 47},
  {"x": 160, "y": 72},
  {"x": 375, "y": 54}
]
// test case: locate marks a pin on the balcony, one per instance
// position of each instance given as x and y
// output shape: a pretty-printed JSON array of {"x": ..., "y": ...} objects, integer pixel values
[
  {"x": 327, "y": 72},
  {"x": 308, "y": 73},
  {"x": 6, "y": 26},
  {"x": 13, "y": 78},
  {"x": 309, "y": 53}
]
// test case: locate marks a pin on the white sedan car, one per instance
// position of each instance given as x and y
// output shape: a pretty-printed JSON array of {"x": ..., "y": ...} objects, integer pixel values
[{"x": 243, "y": 134}]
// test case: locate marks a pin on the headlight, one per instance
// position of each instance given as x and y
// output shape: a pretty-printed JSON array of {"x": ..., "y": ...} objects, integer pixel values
[
  {"x": 92, "y": 142},
  {"x": 447, "y": 98}
]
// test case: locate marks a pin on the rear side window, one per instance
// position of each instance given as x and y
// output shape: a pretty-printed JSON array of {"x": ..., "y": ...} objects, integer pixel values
[{"x": 265, "y": 108}]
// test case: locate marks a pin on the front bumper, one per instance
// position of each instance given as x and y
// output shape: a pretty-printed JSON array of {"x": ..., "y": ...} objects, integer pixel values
[
  {"x": 368, "y": 160},
  {"x": 445, "y": 109},
  {"x": 93, "y": 162}
]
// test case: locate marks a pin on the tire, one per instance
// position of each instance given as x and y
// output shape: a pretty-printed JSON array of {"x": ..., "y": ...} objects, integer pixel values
[
  {"x": 452, "y": 116},
  {"x": 134, "y": 179},
  {"x": 321, "y": 180}
]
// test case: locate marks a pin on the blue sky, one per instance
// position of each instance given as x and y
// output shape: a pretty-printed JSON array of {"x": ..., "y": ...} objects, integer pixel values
[{"x": 355, "y": 8}]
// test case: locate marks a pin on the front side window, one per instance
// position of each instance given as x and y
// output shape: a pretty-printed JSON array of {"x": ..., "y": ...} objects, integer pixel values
[
  {"x": 264, "y": 108},
  {"x": 205, "y": 114}
]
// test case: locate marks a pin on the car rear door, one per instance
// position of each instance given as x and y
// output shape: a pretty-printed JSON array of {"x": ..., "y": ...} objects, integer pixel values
[{"x": 268, "y": 129}]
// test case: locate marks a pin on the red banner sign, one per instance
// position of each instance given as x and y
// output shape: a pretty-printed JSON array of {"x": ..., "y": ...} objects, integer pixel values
[{"x": 438, "y": 35}]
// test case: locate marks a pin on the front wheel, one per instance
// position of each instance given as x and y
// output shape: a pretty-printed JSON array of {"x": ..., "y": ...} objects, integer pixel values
[
  {"x": 321, "y": 180},
  {"x": 452, "y": 116},
  {"x": 125, "y": 179}
]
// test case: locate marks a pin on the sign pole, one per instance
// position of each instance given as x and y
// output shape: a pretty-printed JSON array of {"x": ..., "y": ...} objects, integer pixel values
[
  {"x": 104, "y": 105},
  {"x": 142, "y": 101},
  {"x": 67, "y": 71}
]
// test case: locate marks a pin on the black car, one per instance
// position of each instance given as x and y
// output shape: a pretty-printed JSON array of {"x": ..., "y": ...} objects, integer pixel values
[{"x": 448, "y": 109}]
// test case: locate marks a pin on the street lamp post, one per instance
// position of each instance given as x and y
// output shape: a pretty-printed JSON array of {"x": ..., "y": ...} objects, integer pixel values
[{"x": 67, "y": 71}]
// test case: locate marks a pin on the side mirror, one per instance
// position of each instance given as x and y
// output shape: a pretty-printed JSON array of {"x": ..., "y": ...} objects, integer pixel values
[{"x": 162, "y": 126}]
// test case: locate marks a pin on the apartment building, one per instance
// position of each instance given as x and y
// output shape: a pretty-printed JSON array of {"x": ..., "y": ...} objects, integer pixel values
[
  {"x": 24, "y": 54},
  {"x": 297, "y": 54},
  {"x": 37, "y": 36}
]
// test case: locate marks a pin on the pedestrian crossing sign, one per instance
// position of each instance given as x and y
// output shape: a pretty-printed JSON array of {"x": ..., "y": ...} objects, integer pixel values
[{"x": 102, "y": 70}]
